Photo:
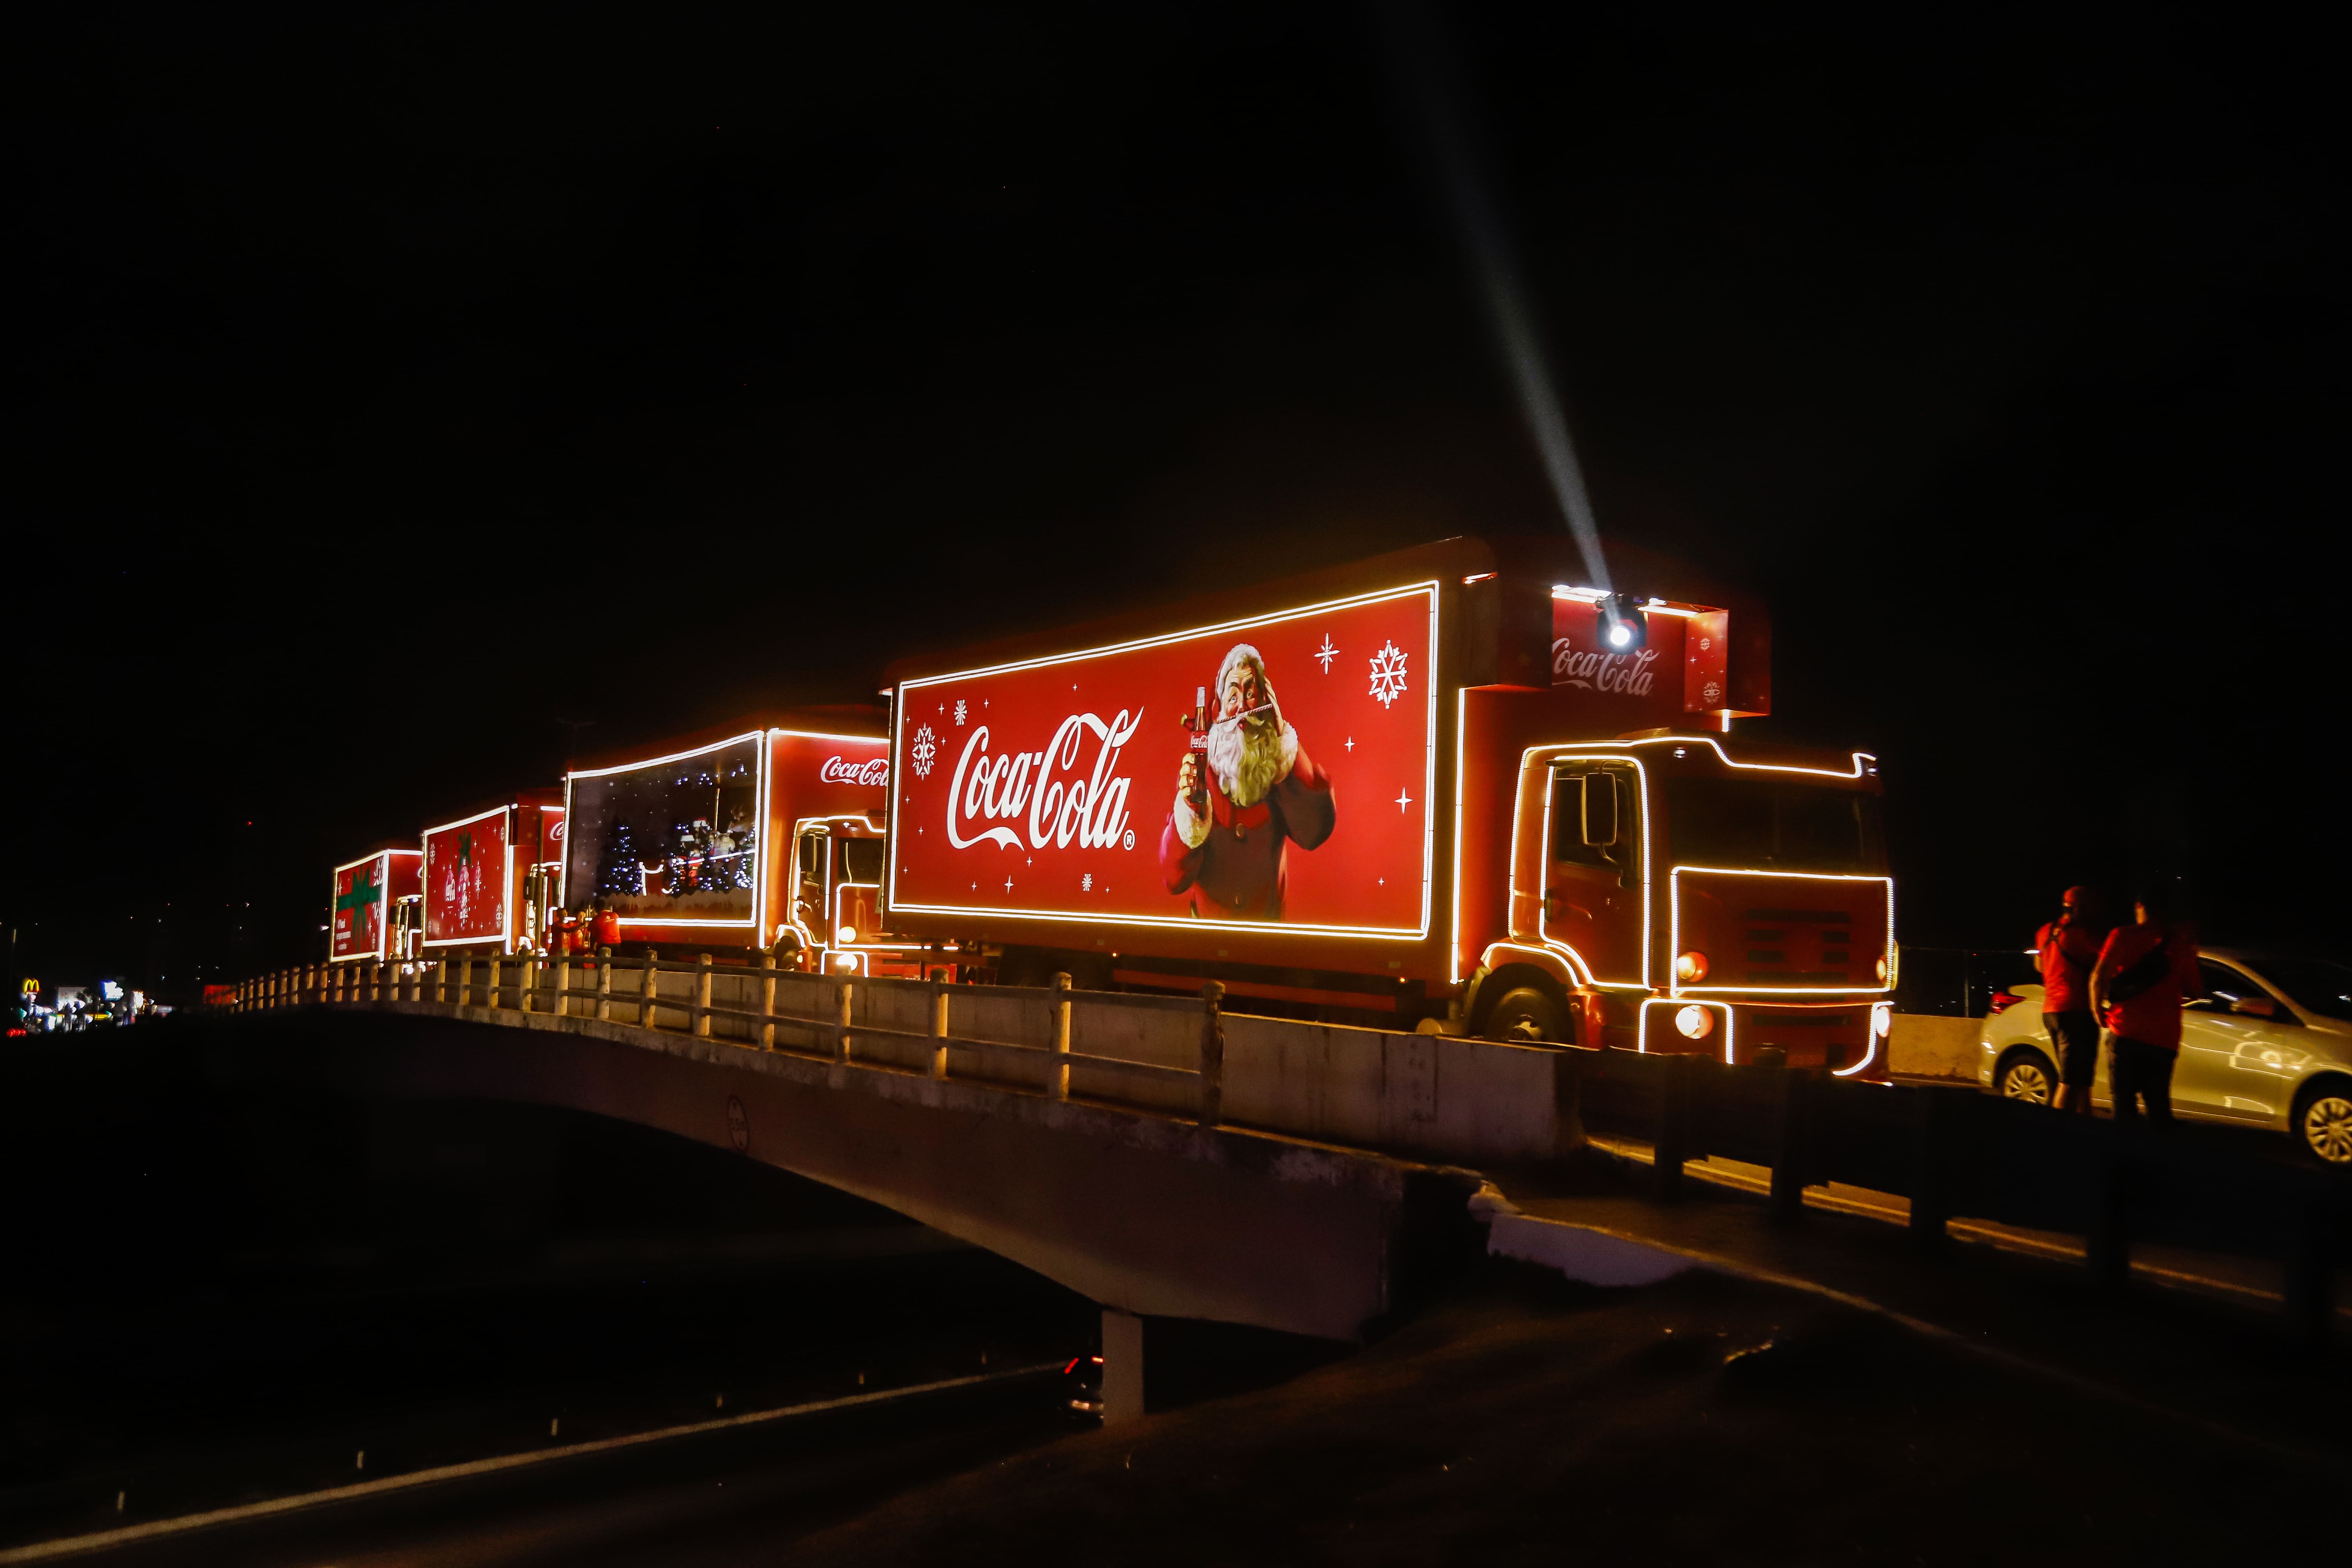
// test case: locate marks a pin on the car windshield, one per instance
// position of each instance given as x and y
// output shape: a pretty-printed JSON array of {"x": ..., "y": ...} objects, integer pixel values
[
  {"x": 2316, "y": 985},
  {"x": 1741, "y": 824}
]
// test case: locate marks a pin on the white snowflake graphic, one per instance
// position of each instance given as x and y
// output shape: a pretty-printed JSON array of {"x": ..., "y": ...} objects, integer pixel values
[
  {"x": 1327, "y": 653},
  {"x": 960, "y": 710},
  {"x": 923, "y": 752},
  {"x": 1086, "y": 883},
  {"x": 1387, "y": 673}
]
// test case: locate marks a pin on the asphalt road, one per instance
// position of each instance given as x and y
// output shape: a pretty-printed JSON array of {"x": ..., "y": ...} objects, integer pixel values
[{"x": 728, "y": 1496}]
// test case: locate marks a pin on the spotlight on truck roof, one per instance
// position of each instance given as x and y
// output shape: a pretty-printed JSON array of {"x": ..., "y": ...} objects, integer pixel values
[{"x": 1622, "y": 625}]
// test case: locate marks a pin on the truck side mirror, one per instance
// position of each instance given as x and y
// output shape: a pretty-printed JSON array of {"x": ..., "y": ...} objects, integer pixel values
[{"x": 1599, "y": 810}]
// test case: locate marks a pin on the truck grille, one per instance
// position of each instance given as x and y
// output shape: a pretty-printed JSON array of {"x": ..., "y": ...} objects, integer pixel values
[{"x": 1822, "y": 938}]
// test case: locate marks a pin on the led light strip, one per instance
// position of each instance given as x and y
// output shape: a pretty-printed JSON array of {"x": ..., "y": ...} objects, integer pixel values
[
  {"x": 505, "y": 937},
  {"x": 1654, "y": 607},
  {"x": 1188, "y": 922},
  {"x": 1543, "y": 858},
  {"x": 1675, "y": 927}
]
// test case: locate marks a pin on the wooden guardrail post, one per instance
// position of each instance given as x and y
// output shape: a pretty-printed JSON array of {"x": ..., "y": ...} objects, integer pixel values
[
  {"x": 563, "y": 985},
  {"x": 1058, "y": 1071},
  {"x": 1672, "y": 1137},
  {"x": 1212, "y": 1054},
  {"x": 1931, "y": 1160},
  {"x": 527, "y": 983},
  {"x": 375, "y": 980},
  {"x": 441, "y": 981},
  {"x": 702, "y": 994},
  {"x": 648, "y": 988},
  {"x": 493, "y": 991},
  {"x": 603, "y": 984},
  {"x": 1793, "y": 1146},
  {"x": 938, "y": 1027},
  {"x": 464, "y": 979},
  {"x": 767, "y": 1002}
]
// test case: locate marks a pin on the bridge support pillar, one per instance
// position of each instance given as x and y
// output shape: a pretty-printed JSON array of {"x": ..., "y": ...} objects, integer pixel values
[{"x": 1122, "y": 1374}]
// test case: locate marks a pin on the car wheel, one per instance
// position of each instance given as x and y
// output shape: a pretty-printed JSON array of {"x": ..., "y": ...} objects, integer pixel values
[
  {"x": 2323, "y": 1122},
  {"x": 1527, "y": 1015},
  {"x": 2027, "y": 1075}
]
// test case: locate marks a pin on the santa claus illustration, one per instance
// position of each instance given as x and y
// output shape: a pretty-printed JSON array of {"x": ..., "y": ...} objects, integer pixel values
[{"x": 1242, "y": 801}]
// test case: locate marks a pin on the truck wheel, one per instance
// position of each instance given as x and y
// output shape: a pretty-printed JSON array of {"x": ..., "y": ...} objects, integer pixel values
[
  {"x": 1528, "y": 1014},
  {"x": 2323, "y": 1122},
  {"x": 2026, "y": 1075}
]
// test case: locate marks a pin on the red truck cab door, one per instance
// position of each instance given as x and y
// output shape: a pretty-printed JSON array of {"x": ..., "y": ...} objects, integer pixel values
[{"x": 1592, "y": 893}]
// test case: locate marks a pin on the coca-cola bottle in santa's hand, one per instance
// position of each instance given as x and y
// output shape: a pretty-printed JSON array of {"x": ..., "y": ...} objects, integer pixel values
[{"x": 1197, "y": 743}]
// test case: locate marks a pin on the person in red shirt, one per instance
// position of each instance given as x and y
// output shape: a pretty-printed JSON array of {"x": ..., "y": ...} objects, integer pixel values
[
  {"x": 2144, "y": 974},
  {"x": 2069, "y": 948}
]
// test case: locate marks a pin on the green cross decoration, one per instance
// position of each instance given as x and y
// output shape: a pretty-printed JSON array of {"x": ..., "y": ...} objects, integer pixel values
[{"x": 363, "y": 893}]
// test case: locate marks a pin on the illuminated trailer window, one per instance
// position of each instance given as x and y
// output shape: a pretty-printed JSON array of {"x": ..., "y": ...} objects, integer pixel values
[{"x": 672, "y": 841}]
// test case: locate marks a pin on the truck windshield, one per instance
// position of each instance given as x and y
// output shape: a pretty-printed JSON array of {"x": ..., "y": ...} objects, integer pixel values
[
  {"x": 861, "y": 860},
  {"x": 1741, "y": 824}
]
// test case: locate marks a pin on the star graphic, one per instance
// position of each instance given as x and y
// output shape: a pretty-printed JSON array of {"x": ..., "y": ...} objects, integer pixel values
[
  {"x": 1327, "y": 653},
  {"x": 1403, "y": 800},
  {"x": 1351, "y": 743},
  {"x": 1008, "y": 884}
]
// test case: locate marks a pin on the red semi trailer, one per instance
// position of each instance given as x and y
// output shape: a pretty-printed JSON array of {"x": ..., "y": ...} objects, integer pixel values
[
  {"x": 373, "y": 913},
  {"x": 1427, "y": 790},
  {"x": 487, "y": 876},
  {"x": 770, "y": 839}
]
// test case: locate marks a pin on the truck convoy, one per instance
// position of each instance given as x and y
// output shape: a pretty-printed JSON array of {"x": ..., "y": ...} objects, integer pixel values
[{"x": 1452, "y": 788}]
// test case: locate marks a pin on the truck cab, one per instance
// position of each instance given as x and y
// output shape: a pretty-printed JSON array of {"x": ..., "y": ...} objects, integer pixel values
[
  {"x": 1685, "y": 893},
  {"x": 834, "y": 920}
]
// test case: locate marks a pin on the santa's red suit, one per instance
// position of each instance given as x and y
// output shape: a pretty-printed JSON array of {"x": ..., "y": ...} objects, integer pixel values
[{"x": 1230, "y": 857}]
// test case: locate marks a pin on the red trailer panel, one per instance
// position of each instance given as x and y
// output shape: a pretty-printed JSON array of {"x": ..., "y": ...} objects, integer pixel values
[{"x": 364, "y": 890}]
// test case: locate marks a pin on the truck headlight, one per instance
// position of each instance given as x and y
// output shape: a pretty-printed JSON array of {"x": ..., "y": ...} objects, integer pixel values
[
  {"x": 1694, "y": 1022},
  {"x": 1882, "y": 1018},
  {"x": 849, "y": 933},
  {"x": 1690, "y": 969}
]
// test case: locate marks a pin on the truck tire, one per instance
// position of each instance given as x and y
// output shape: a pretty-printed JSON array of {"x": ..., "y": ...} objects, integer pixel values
[{"x": 1528, "y": 1014}]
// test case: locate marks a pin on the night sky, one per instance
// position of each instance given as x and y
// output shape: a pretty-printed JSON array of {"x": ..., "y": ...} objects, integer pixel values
[{"x": 386, "y": 385}]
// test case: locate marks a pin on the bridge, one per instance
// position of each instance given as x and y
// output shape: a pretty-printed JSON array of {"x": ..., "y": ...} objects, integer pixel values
[{"x": 1165, "y": 1157}]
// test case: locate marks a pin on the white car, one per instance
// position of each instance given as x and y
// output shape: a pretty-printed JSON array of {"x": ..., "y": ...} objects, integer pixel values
[{"x": 2268, "y": 1044}]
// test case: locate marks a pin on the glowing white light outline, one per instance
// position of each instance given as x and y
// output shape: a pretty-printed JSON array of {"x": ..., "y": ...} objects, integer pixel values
[
  {"x": 1674, "y": 930},
  {"x": 757, "y": 919},
  {"x": 1642, "y": 1024},
  {"x": 1430, "y": 587},
  {"x": 383, "y": 898},
  {"x": 505, "y": 938},
  {"x": 1460, "y": 722},
  {"x": 1543, "y": 861}
]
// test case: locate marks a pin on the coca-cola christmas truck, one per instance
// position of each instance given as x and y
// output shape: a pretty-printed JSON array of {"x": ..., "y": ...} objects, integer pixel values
[
  {"x": 1456, "y": 787},
  {"x": 374, "y": 897},
  {"x": 768, "y": 838},
  {"x": 488, "y": 876}
]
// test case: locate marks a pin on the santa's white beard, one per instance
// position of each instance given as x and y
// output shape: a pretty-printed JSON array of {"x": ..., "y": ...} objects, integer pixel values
[{"x": 1250, "y": 756}]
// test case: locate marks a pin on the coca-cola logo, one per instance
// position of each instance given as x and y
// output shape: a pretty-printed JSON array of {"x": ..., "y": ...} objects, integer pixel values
[
  {"x": 872, "y": 771},
  {"x": 555, "y": 830},
  {"x": 1621, "y": 674},
  {"x": 1047, "y": 791}
]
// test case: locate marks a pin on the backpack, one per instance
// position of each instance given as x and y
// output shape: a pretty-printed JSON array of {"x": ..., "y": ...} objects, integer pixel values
[{"x": 2142, "y": 973}]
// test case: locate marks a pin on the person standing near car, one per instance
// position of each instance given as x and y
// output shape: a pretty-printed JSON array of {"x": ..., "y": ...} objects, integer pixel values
[
  {"x": 2069, "y": 948},
  {"x": 2144, "y": 972}
]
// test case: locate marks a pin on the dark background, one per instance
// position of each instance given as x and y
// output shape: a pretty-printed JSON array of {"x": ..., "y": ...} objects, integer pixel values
[{"x": 386, "y": 385}]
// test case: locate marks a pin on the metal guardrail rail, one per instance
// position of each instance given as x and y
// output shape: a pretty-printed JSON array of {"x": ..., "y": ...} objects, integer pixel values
[
  {"x": 1959, "y": 1154},
  {"x": 536, "y": 983},
  {"x": 1952, "y": 1154}
]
